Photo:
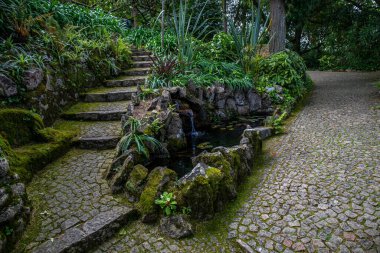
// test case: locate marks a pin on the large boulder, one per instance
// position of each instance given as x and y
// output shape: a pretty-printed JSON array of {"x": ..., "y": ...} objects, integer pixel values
[
  {"x": 33, "y": 78},
  {"x": 200, "y": 191},
  {"x": 176, "y": 138},
  {"x": 159, "y": 180},
  {"x": 7, "y": 87},
  {"x": 254, "y": 101},
  {"x": 118, "y": 179},
  {"x": 217, "y": 160},
  {"x": 176, "y": 227},
  {"x": 135, "y": 182}
]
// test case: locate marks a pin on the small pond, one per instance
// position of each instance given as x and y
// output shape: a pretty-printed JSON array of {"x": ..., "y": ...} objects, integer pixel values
[{"x": 226, "y": 135}]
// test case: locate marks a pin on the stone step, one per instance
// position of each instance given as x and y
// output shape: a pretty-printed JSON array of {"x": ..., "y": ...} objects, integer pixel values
[
  {"x": 99, "y": 111},
  {"x": 142, "y": 58},
  {"x": 137, "y": 71},
  {"x": 92, "y": 134},
  {"x": 103, "y": 142},
  {"x": 142, "y": 64},
  {"x": 128, "y": 81},
  {"x": 108, "y": 94},
  {"x": 140, "y": 53},
  {"x": 84, "y": 237}
]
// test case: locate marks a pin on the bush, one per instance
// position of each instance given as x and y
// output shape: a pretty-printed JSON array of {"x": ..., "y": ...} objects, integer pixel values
[
  {"x": 285, "y": 69},
  {"x": 220, "y": 48}
]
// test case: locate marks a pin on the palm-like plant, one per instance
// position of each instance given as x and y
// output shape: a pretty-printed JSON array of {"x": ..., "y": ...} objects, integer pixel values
[
  {"x": 136, "y": 139},
  {"x": 185, "y": 31},
  {"x": 246, "y": 42}
]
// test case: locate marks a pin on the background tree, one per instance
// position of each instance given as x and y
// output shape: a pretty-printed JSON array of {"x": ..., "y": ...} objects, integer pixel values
[{"x": 277, "y": 26}]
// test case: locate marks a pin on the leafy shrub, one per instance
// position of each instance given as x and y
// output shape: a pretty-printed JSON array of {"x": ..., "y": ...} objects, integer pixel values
[
  {"x": 285, "y": 69},
  {"x": 220, "y": 48},
  {"x": 135, "y": 138},
  {"x": 167, "y": 203}
]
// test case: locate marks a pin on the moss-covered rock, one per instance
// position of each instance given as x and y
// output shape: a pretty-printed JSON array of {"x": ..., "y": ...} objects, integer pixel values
[
  {"x": 159, "y": 180},
  {"x": 135, "y": 182},
  {"x": 200, "y": 189},
  {"x": 217, "y": 160},
  {"x": 20, "y": 126}
]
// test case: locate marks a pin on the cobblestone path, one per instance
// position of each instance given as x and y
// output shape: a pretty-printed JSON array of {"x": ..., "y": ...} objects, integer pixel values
[
  {"x": 70, "y": 191},
  {"x": 321, "y": 192}
]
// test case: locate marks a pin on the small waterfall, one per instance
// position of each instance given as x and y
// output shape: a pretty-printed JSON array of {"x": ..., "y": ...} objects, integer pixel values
[{"x": 193, "y": 130}]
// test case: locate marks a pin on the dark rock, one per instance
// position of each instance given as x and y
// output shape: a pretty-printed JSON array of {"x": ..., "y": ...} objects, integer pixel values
[
  {"x": 254, "y": 101},
  {"x": 199, "y": 170},
  {"x": 18, "y": 189},
  {"x": 176, "y": 138},
  {"x": 118, "y": 180},
  {"x": 159, "y": 180},
  {"x": 4, "y": 168},
  {"x": 4, "y": 197},
  {"x": 175, "y": 227},
  {"x": 240, "y": 98},
  {"x": 135, "y": 182},
  {"x": 231, "y": 106},
  {"x": 7, "y": 87},
  {"x": 10, "y": 213},
  {"x": 33, "y": 78},
  {"x": 243, "y": 110}
]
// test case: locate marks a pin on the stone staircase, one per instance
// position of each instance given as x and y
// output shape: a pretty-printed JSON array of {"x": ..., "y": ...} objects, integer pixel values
[
  {"x": 100, "y": 109},
  {"x": 97, "y": 116}
]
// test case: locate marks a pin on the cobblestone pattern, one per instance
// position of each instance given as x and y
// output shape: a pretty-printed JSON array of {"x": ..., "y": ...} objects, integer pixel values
[
  {"x": 323, "y": 193},
  {"x": 146, "y": 238},
  {"x": 71, "y": 191},
  {"x": 100, "y": 128}
]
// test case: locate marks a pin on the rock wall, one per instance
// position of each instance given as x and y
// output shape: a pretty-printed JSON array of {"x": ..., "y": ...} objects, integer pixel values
[
  {"x": 48, "y": 91},
  {"x": 14, "y": 211}
]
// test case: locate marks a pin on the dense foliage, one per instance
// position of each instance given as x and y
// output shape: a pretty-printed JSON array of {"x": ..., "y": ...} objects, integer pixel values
[{"x": 53, "y": 36}]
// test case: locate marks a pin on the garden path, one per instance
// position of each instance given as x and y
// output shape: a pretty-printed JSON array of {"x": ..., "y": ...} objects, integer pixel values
[{"x": 320, "y": 192}]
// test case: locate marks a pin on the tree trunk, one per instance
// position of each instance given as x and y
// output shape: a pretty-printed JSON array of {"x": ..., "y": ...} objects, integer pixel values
[
  {"x": 278, "y": 26},
  {"x": 134, "y": 14},
  {"x": 163, "y": 23},
  {"x": 224, "y": 7}
]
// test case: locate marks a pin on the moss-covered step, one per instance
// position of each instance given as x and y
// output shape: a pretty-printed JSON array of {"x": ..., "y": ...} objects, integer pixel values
[
  {"x": 140, "y": 52},
  {"x": 142, "y": 64},
  {"x": 129, "y": 80},
  {"x": 109, "y": 94},
  {"x": 137, "y": 72},
  {"x": 142, "y": 58},
  {"x": 99, "y": 111},
  {"x": 92, "y": 134},
  {"x": 93, "y": 232}
]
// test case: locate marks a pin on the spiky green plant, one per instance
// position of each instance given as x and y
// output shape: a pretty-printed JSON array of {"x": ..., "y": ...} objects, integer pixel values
[
  {"x": 246, "y": 42},
  {"x": 185, "y": 31},
  {"x": 136, "y": 139}
]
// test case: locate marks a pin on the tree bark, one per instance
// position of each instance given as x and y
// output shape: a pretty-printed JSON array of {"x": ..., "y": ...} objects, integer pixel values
[
  {"x": 278, "y": 26},
  {"x": 134, "y": 14},
  {"x": 224, "y": 7},
  {"x": 162, "y": 23}
]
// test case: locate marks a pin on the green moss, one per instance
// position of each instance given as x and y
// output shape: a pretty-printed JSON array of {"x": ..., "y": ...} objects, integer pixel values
[
  {"x": 159, "y": 180},
  {"x": 136, "y": 178},
  {"x": 19, "y": 126},
  {"x": 83, "y": 107}
]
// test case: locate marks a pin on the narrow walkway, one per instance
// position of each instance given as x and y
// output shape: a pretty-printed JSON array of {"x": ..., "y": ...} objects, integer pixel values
[{"x": 321, "y": 192}]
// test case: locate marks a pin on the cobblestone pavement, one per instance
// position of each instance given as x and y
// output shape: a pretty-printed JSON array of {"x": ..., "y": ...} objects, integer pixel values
[
  {"x": 321, "y": 192},
  {"x": 92, "y": 128},
  {"x": 70, "y": 191}
]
